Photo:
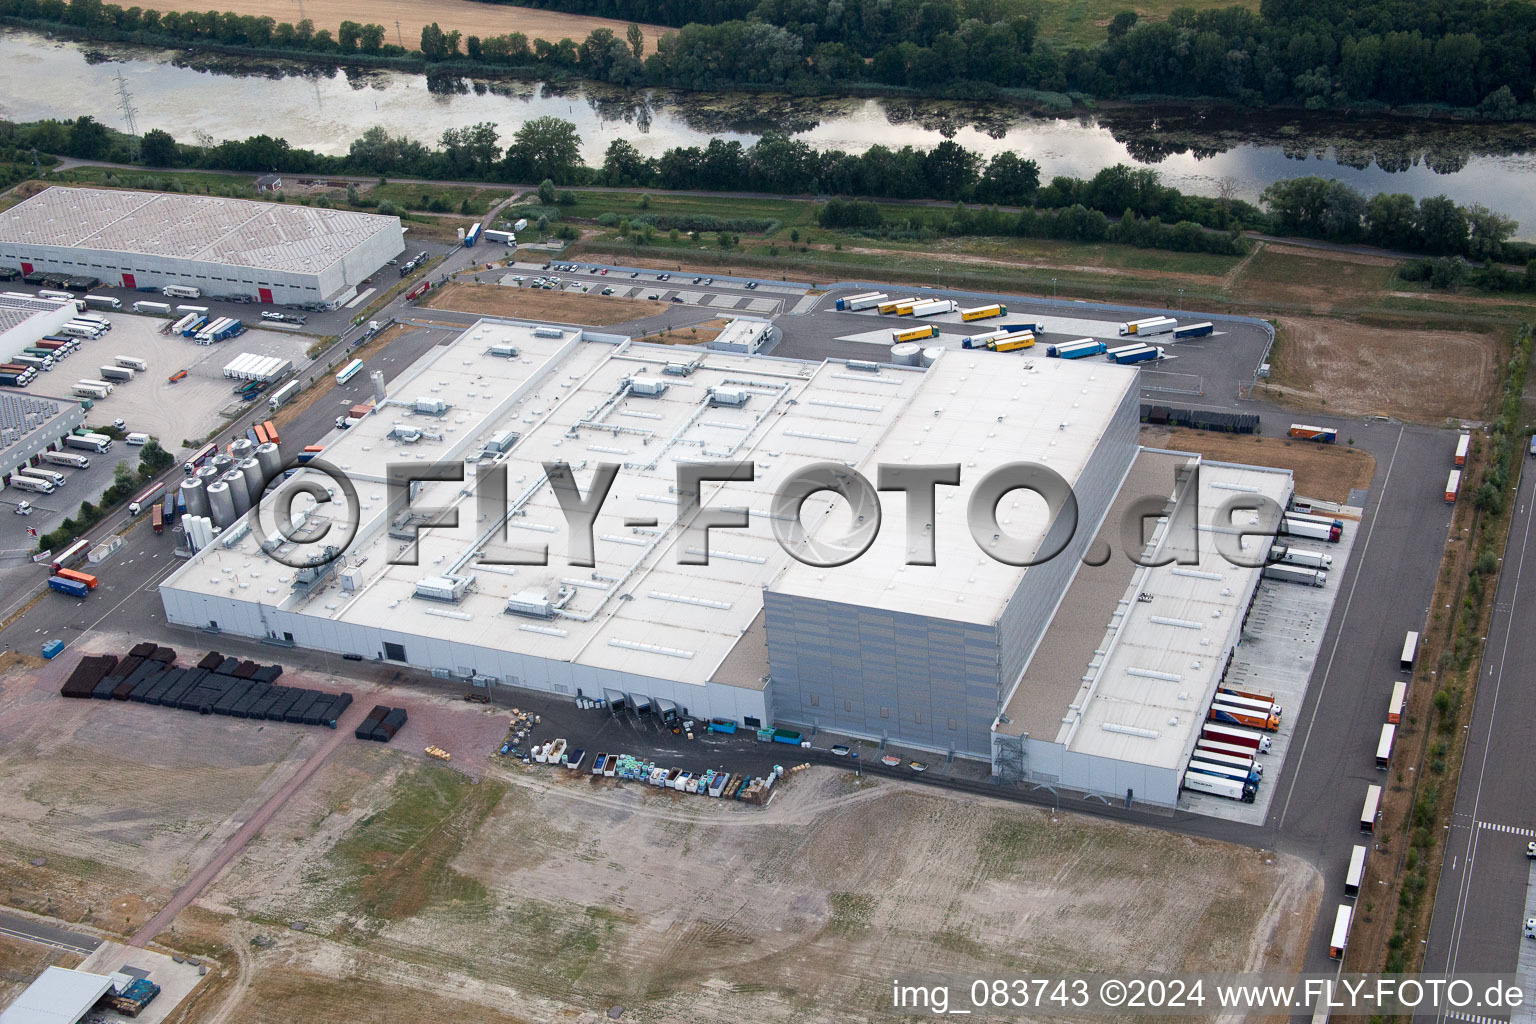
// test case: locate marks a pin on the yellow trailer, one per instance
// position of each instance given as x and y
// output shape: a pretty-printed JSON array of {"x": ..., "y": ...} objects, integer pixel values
[
  {"x": 887, "y": 308},
  {"x": 916, "y": 334},
  {"x": 982, "y": 312},
  {"x": 1012, "y": 342}
]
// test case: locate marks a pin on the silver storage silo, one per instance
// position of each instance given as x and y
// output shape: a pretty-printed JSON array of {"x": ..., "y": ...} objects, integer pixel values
[
  {"x": 255, "y": 483},
  {"x": 222, "y": 463},
  {"x": 241, "y": 449},
  {"x": 206, "y": 473},
  {"x": 931, "y": 355},
  {"x": 271, "y": 461},
  {"x": 237, "y": 491},
  {"x": 195, "y": 493},
  {"x": 221, "y": 504},
  {"x": 906, "y": 353}
]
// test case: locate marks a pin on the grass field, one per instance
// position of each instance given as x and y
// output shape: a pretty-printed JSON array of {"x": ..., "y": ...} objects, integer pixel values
[
  {"x": 472, "y": 19},
  {"x": 1082, "y": 22}
]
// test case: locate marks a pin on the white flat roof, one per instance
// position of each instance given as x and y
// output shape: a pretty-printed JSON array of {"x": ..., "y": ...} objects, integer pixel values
[
  {"x": 58, "y": 996},
  {"x": 235, "y": 232},
  {"x": 639, "y": 609},
  {"x": 1151, "y": 681}
]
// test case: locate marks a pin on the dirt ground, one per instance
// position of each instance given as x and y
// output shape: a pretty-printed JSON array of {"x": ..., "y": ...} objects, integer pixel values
[
  {"x": 484, "y": 890},
  {"x": 1322, "y": 471},
  {"x": 21, "y": 962},
  {"x": 538, "y": 304},
  {"x": 1355, "y": 369},
  {"x": 472, "y": 19},
  {"x": 549, "y": 884}
]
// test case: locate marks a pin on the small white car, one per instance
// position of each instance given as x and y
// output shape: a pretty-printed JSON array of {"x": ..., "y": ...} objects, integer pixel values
[
  {"x": 23, "y": 508},
  {"x": 267, "y": 314},
  {"x": 1530, "y": 850},
  {"x": 119, "y": 424},
  {"x": 1530, "y": 927}
]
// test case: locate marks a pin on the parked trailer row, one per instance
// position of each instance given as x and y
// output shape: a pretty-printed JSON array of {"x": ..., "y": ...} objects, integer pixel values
[
  {"x": 23, "y": 482},
  {"x": 1463, "y": 446},
  {"x": 1286, "y": 555},
  {"x": 152, "y": 308},
  {"x": 265, "y": 369},
  {"x": 1128, "y": 354},
  {"x": 1232, "y": 789},
  {"x": 1452, "y": 486},
  {"x": 99, "y": 443},
  {"x": 1292, "y": 525},
  {"x": 1257, "y": 742},
  {"x": 1149, "y": 326},
  {"x": 69, "y": 459},
  {"x": 863, "y": 300},
  {"x": 1296, "y": 574}
]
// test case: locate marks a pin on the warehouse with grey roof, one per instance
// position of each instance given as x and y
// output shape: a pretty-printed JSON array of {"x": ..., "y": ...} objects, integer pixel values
[{"x": 226, "y": 248}]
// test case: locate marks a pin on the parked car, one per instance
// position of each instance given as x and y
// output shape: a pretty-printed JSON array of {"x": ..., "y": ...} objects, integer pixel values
[
  {"x": 607, "y": 291},
  {"x": 267, "y": 314},
  {"x": 697, "y": 280},
  {"x": 23, "y": 508},
  {"x": 751, "y": 285},
  {"x": 917, "y": 766},
  {"x": 635, "y": 274},
  {"x": 653, "y": 295},
  {"x": 1530, "y": 927},
  {"x": 676, "y": 298},
  {"x": 709, "y": 280},
  {"x": 604, "y": 271},
  {"x": 1530, "y": 851},
  {"x": 890, "y": 761},
  {"x": 841, "y": 750}
]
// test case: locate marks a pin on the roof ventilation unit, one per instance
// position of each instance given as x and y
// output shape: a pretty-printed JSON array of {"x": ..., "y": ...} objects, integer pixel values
[
  {"x": 735, "y": 397},
  {"x": 530, "y": 603},
  {"x": 647, "y": 387},
  {"x": 448, "y": 587}
]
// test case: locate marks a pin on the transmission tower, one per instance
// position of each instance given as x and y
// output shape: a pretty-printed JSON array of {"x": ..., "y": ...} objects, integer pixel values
[
  {"x": 398, "y": 40},
  {"x": 301, "y": 10},
  {"x": 130, "y": 120}
]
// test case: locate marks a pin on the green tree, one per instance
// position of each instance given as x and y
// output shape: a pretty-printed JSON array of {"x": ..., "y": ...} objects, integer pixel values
[
  {"x": 547, "y": 192},
  {"x": 371, "y": 38},
  {"x": 89, "y": 138},
  {"x": 636, "y": 40},
  {"x": 545, "y": 147},
  {"x": 158, "y": 148},
  {"x": 348, "y": 35}
]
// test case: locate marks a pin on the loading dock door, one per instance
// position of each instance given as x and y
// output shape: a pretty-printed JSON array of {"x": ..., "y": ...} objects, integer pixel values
[
  {"x": 26, "y": 268},
  {"x": 264, "y": 294},
  {"x": 128, "y": 281}
]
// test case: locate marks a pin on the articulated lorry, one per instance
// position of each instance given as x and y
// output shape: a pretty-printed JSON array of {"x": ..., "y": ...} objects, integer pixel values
[{"x": 1228, "y": 714}]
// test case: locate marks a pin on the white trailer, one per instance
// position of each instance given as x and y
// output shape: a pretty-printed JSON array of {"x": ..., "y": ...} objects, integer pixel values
[
  {"x": 23, "y": 482},
  {"x": 1221, "y": 747},
  {"x": 1286, "y": 555},
  {"x": 869, "y": 300},
  {"x": 1296, "y": 574},
  {"x": 87, "y": 391},
  {"x": 1368, "y": 812},
  {"x": 76, "y": 329},
  {"x": 103, "y": 302},
  {"x": 180, "y": 291},
  {"x": 933, "y": 307},
  {"x": 1356, "y": 873},
  {"x": 153, "y": 308},
  {"x": 67, "y": 459},
  {"x": 1243, "y": 763},
  {"x": 118, "y": 374},
  {"x": 132, "y": 362},
  {"x": 94, "y": 382},
  {"x": 283, "y": 394},
  {"x": 1218, "y": 786},
  {"x": 1384, "y": 746},
  {"x": 44, "y": 473},
  {"x": 1410, "y": 651},
  {"x": 1340, "y": 932}
]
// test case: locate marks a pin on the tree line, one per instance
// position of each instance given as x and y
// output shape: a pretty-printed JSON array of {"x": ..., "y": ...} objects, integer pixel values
[
  {"x": 1132, "y": 202},
  {"x": 1467, "y": 54}
]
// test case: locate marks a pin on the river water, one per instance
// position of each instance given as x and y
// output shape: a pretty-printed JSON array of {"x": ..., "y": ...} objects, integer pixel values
[{"x": 1204, "y": 152}]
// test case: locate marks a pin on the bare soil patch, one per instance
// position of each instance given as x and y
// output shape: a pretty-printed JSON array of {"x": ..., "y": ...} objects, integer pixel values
[
  {"x": 21, "y": 962},
  {"x": 538, "y": 304},
  {"x": 472, "y": 19},
  {"x": 1355, "y": 369},
  {"x": 1308, "y": 279},
  {"x": 1322, "y": 471},
  {"x": 815, "y": 902}
]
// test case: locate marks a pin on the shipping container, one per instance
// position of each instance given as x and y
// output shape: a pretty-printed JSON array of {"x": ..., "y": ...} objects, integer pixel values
[
  {"x": 67, "y": 586},
  {"x": 79, "y": 577},
  {"x": 272, "y": 432},
  {"x": 309, "y": 452}
]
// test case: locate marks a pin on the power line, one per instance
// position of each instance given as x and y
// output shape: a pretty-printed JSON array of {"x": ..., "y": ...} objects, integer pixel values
[{"x": 130, "y": 120}]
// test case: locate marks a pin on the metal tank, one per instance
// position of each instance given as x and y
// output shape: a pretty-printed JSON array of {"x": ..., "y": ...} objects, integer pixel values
[
  {"x": 241, "y": 449},
  {"x": 255, "y": 483},
  {"x": 931, "y": 355},
  {"x": 195, "y": 493},
  {"x": 206, "y": 473},
  {"x": 221, "y": 504},
  {"x": 222, "y": 463},
  {"x": 270, "y": 460},
  {"x": 906, "y": 353},
  {"x": 237, "y": 491}
]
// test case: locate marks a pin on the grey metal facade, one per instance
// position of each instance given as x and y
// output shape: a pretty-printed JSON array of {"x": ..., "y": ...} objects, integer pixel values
[{"x": 924, "y": 680}]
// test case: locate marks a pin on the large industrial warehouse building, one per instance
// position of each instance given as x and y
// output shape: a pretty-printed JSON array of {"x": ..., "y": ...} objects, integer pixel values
[
  {"x": 1090, "y": 676},
  {"x": 226, "y": 248}
]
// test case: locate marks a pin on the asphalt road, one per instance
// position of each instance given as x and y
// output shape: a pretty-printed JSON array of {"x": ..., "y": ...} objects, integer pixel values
[
  {"x": 47, "y": 934},
  {"x": 1477, "y": 916}
]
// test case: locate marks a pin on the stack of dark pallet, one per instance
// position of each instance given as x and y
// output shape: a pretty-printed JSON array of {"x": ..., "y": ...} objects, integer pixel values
[
  {"x": 381, "y": 724},
  {"x": 91, "y": 671},
  {"x": 1201, "y": 419},
  {"x": 215, "y": 686}
]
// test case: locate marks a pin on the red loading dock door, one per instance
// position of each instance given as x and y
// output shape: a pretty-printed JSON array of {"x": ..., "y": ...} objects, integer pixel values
[
  {"x": 128, "y": 281},
  {"x": 264, "y": 294},
  {"x": 26, "y": 268}
]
